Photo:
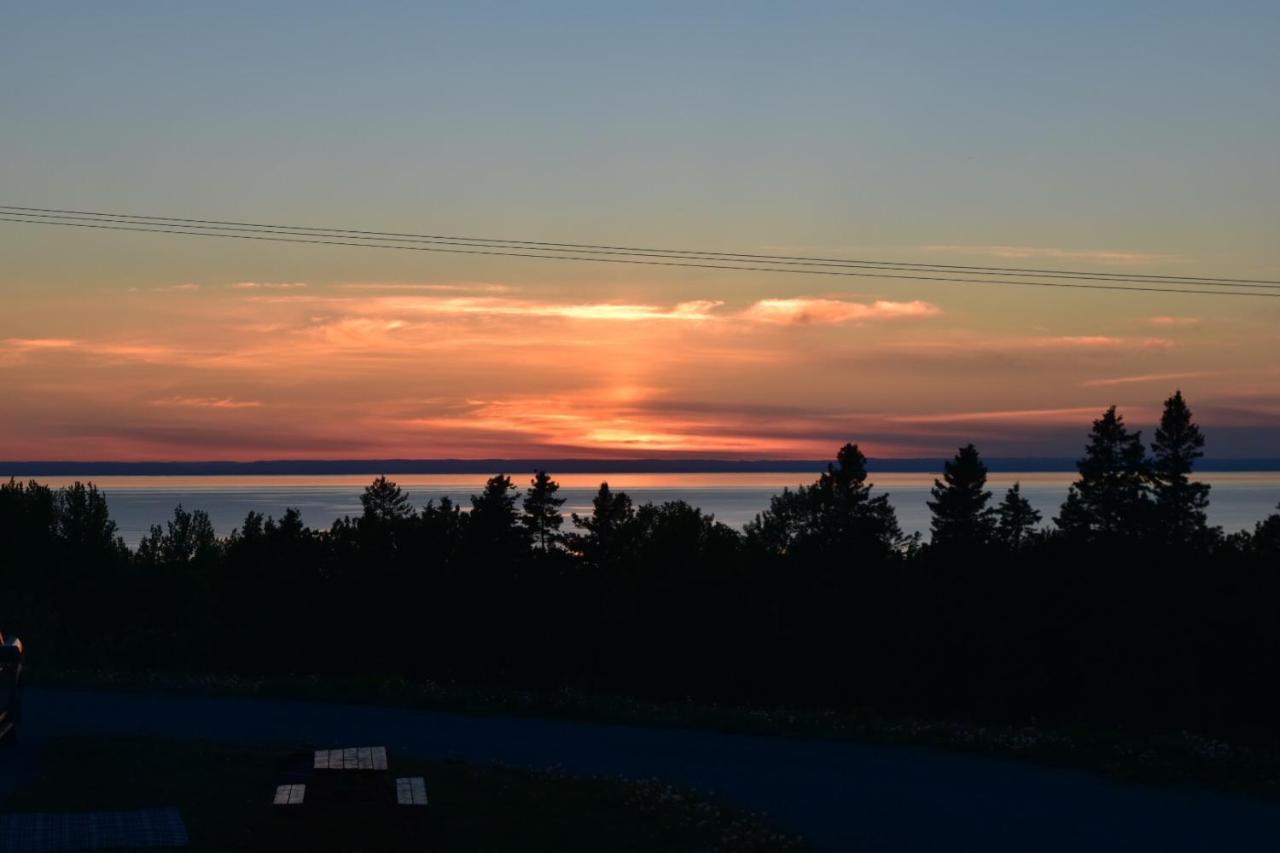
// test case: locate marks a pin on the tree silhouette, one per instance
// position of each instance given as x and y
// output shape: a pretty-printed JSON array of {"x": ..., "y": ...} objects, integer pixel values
[
  {"x": 961, "y": 516},
  {"x": 607, "y": 528},
  {"x": 674, "y": 538},
  {"x": 187, "y": 537},
  {"x": 1266, "y": 536},
  {"x": 542, "y": 518},
  {"x": 384, "y": 502},
  {"x": 1110, "y": 497},
  {"x": 83, "y": 518},
  {"x": 442, "y": 525},
  {"x": 1017, "y": 519},
  {"x": 837, "y": 514},
  {"x": 289, "y": 527},
  {"x": 851, "y": 517},
  {"x": 1180, "y": 502},
  {"x": 494, "y": 530}
]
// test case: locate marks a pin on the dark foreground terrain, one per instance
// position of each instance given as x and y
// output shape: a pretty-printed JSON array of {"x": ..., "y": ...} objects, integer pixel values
[
  {"x": 222, "y": 791},
  {"x": 840, "y": 796}
]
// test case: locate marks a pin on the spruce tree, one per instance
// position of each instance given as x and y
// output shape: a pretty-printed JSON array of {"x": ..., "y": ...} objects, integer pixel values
[
  {"x": 1265, "y": 539},
  {"x": 1110, "y": 497},
  {"x": 384, "y": 502},
  {"x": 606, "y": 528},
  {"x": 849, "y": 516},
  {"x": 960, "y": 512},
  {"x": 542, "y": 518},
  {"x": 493, "y": 527},
  {"x": 836, "y": 516},
  {"x": 1180, "y": 502},
  {"x": 1017, "y": 519}
]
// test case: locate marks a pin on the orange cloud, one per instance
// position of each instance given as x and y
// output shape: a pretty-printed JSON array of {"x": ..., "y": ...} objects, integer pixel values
[
  {"x": 451, "y": 287},
  {"x": 207, "y": 403},
  {"x": 1149, "y": 377},
  {"x": 1068, "y": 415},
  {"x": 15, "y": 351},
  {"x": 475, "y": 369},
  {"x": 171, "y": 288},
  {"x": 37, "y": 343},
  {"x": 601, "y": 419},
  {"x": 1102, "y": 342},
  {"x": 489, "y": 306},
  {"x": 802, "y": 311},
  {"x": 1173, "y": 321}
]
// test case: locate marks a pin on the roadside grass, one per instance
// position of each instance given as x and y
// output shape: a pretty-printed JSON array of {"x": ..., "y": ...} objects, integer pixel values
[
  {"x": 224, "y": 793},
  {"x": 1148, "y": 758}
]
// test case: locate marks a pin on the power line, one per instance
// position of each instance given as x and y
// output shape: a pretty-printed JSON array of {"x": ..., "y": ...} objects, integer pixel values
[
  {"x": 592, "y": 247},
  {"x": 191, "y": 231},
  {"x": 786, "y": 265},
  {"x": 286, "y": 234}
]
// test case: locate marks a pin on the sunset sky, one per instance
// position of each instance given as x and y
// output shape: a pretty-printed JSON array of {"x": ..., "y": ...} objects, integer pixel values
[{"x": 1095, "y": 136}]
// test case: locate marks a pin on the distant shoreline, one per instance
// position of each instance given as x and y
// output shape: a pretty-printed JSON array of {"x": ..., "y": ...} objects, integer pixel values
[{"x": 554, "y": 466}]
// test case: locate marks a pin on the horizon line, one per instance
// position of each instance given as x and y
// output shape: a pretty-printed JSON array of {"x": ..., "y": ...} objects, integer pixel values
[{"x": 564, "y": 465}]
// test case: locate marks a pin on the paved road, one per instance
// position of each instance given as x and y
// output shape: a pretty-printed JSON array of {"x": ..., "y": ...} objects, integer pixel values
[{"x": 844, "y": 797}]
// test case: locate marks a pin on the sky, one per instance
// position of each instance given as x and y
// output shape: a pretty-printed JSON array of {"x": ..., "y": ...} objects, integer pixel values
[{"x": 1120, "y": 137}]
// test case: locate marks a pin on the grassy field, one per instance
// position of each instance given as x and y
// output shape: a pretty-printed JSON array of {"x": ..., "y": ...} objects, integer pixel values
[{"x": 224, "y": 795}]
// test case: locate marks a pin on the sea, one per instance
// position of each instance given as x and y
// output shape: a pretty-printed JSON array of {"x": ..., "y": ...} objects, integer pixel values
[{"x": 1238, "y": 499}]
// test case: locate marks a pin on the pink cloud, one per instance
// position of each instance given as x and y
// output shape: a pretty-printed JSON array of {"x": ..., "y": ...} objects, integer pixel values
[
  {"x": 491, "y": 306},
  {"x": 1067, "y": 415},
  {"x": 15, "y": 351},
  {"x": 453, "y": 287},
  {"x": 804, "y": 311},
  {"x": 1173, "y": 321},
  {"x": 38, "y": 343},
  {"x": 1149, "y": 377},
  {"x": 1102, "y": 342},
  {"x": 207, "y": 403},
  {"x": 269, "y": 285},
  {"x": 602, "y": 419}
]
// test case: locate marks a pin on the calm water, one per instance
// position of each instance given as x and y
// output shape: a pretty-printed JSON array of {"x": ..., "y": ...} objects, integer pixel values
[{"x": 1238, "y": 499}]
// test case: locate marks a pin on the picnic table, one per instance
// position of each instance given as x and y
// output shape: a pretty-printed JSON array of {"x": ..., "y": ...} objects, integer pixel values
[{"x": 347, "y": 791}]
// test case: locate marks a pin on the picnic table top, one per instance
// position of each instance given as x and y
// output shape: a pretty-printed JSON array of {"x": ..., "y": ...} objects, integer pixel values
[{"x": 352, "y": 758}]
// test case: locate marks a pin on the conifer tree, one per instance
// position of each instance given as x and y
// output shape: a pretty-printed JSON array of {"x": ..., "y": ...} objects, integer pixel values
[
  {"x": 1180, "y": 502},
  {"x": 960, "y": 512},
  {"x": 542, "y": 518},
  {"x": 384, "y": 501},
  {"x": 606, "y": 528},
  {"x": 1110, "y": 497},
  {"x": 1017, "y": 519},
  {"x": 835, "y": 515},
  {"x": 493, "y": 527},
  {"x": 1266, "y": 536},
  {"x": 849, "y": 517}
]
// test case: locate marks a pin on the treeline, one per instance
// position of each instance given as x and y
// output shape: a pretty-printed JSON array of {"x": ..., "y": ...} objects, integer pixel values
[{"x": 1129, "y": 610}]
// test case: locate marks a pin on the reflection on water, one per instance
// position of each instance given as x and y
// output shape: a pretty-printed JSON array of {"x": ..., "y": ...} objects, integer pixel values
[{"x": 1238, "y": 499}]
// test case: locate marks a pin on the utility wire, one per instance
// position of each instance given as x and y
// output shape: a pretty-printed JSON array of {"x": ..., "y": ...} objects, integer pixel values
[
  {"x": 264, "y": 234},
  {"x": 302, "y": 231},
  {"x": 61, "y": 213}
]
